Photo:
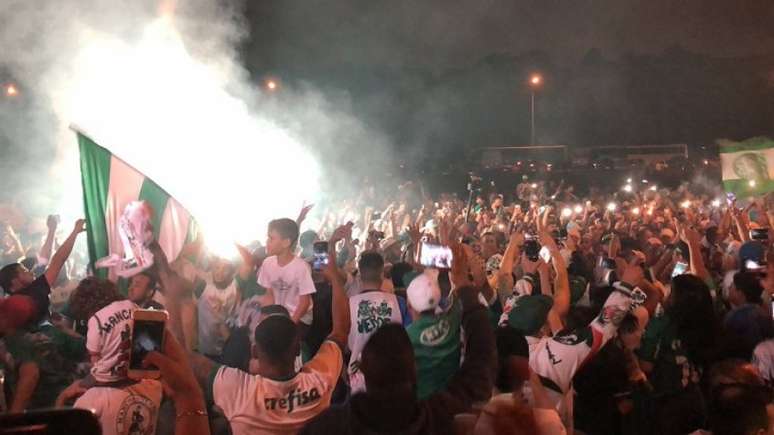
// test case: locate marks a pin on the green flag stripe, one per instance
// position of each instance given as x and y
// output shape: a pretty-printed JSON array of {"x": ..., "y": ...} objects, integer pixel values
[
  {"x": 157, "y": 198},
  {"x": 95, "y": 178},
  {"x": 746, "y": 146},
  {"x": 743, "y": 188}
]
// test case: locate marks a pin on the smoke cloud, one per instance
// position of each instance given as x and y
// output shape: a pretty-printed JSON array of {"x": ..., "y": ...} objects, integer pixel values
[{"x": 161, "y": 86}]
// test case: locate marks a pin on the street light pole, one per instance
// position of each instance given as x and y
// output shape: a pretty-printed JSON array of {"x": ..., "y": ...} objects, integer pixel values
[
  {"x": 532, "y": 118},
  {"x": 534, "y": 82}
]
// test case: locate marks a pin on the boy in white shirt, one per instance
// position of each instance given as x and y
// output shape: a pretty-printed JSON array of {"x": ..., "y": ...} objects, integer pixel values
[{"x": 287, "y": 278}]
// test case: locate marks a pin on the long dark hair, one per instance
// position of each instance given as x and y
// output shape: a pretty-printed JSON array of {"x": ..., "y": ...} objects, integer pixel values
[{"x": 689, "y": 306}]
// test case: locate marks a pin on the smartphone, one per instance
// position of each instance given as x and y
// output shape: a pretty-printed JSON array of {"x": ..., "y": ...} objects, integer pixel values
[
  {"x": 376, "y": 216},
  {"x": 680, "y": 269},
  {"x": 759, "y": 234},
  {"x": 147, "y": 336},
  {"x": 730, "y": 198},
  {"x": 532, "y": 249},
  {"x": 545, "y": 254},
  {"x": 320, "y": 252},
  {"x": 436, "y": 256}
]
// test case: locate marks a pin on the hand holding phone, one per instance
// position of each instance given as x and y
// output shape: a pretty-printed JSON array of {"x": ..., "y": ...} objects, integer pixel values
[
  {"x": 436, "y": 256},
  {"x": 147, "y": 336},
  {"x": 320, "y": 252}
]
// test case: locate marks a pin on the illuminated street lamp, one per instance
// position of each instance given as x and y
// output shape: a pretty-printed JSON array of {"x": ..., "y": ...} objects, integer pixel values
[
  {"x": 11, "y": 90},
  {"x": 535, "y": 81},
  {"x": 271, "y": 85}
]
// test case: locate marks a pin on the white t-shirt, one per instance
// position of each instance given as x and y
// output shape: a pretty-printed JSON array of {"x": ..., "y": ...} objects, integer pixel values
[
  {"x": 124, "y": 411},
  {"x": 109, "y": 336},
  {"x": 214, "y": 307},
  {"x": 256, "y": 405},
  {"x": 288, "y": 283},
  {"x": 368, "y": 311}
]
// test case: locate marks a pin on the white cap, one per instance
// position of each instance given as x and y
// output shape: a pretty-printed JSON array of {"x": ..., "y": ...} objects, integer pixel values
[{"x": 423, "y": 292}]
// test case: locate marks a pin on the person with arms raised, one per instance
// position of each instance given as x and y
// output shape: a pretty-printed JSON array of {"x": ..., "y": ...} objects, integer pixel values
[
  {"x": 16, "y": 279},
  {"x": 279, "y": 399}
]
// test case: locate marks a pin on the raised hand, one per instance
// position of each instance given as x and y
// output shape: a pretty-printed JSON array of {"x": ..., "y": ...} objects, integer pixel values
[
  {"x": 304, "y": 211},
  {"x": 80, "y": 226}
]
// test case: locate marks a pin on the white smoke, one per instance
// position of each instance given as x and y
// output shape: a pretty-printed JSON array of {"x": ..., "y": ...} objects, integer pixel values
[{"x": 159, "y": 86}]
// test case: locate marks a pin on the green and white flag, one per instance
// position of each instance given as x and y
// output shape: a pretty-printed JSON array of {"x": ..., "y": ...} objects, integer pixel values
[
  {"x": 109, "y": 185},
  {"x": 748, "y": 166}
]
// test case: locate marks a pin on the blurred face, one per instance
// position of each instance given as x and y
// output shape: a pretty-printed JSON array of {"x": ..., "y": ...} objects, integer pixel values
[
  {"x": 222, "y": 274},
  {"x": 488, "y": 245},
  {"x": 275, "y": 244},
  {"x": 23, "y": 278},
  {"x": 139, "y": 289}
]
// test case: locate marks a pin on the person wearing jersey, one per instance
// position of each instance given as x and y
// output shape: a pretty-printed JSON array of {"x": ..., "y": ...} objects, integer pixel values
[
  {"x": 369, "y": 310},
  {"x": 279, "y": 399},
  {"x": 122, "y": 405},
  {"x": 556, "y": 359}
]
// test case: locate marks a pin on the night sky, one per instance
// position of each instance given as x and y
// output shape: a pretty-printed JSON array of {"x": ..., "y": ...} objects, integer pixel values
[{"x": 438, "y": 34}]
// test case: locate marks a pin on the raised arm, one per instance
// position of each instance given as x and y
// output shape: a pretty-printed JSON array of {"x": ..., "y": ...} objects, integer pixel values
[
  {"x": 512, "y": 252},
  {"x": 61, "y": 255},
  {"x": 45, "y": 251},
  {"x": 693, "y": 239},
  {"x": 340, "y": 303},
  {"x": 561, "y": 285}
]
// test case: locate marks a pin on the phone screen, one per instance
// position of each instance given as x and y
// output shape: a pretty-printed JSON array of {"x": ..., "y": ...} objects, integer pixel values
[
  {"x": 679, "y": 269},
  {"x": 436, "y": 256},
  {"x": 147, "y": 336},
  {"x": 320, "y": 256},
  {"x": 545, "y": 254}
]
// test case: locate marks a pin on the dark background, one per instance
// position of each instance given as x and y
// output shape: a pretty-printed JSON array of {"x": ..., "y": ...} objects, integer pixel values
[{"x": 440, "y": 77}]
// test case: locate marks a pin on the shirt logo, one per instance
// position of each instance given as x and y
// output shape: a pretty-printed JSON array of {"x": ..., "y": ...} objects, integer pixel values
[
  {"x": 436, "y": 334},
  {"x": 113, "y": 320},
  {"x": 136, "y": 416},
  {"x": 293, "y": 400},
  {"x": 370, "y": 317}
]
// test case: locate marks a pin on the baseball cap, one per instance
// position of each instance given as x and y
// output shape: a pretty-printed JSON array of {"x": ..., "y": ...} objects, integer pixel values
[
  {"x": 529, "y": 313},
  {"x": 424, "y": 293}
]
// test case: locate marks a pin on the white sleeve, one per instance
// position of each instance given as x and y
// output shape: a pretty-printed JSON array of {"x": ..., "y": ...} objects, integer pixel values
[
  {"x": 264, "y": 280},
  {"x": 305, "y": 283},
  {"x": 93, "y": 341},
  {"x": 232, "y": 390}
]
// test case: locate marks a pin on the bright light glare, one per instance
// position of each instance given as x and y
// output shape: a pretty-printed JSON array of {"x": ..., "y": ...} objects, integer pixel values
[
  {"x": 534, "y": 185},
  {"x": 536, "y": 79},
  {"x": 271, "y": 84},
  {"x": 653, "y": 188},
  {"x": 11, "y": 90},
  {"x": 752, "y": 183},
  {"x": 566, "y": 212},
  {"x": 636, "y": 210},
  {"x": 578, "y": 209},
  {"x": 685, "y": 204},
  {"x": 629, "y": 180},
  {"x": 170, "y": 116},
  {"x": 716, "y": 203},
  {"x": 627, "y": 188},
  {"x": 612, "y": 206}
]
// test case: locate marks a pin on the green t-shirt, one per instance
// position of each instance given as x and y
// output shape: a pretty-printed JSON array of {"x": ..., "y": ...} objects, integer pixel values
[
  {"x": 436, "y": 342},
  {"x": 56, "y": 354}
]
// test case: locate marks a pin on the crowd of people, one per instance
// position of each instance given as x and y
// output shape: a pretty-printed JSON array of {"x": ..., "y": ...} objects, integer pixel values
[{"x": 608, "y": 311}]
